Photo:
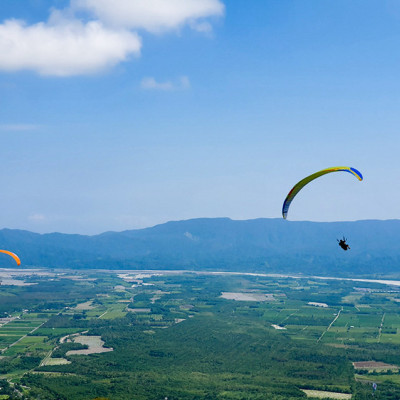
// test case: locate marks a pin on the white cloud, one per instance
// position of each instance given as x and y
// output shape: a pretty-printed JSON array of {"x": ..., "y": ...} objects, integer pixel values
[
  {"x": 70, "y": 43},
  {"x": 150, "y": 83},
  {"x": 151, "y": 15},
  {"x": 67, "y": 48},
  {"x": 19, "y": 127}
]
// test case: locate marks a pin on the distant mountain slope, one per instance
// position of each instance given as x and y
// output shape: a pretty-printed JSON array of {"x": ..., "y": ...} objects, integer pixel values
[{"x": 269, "y": 245}]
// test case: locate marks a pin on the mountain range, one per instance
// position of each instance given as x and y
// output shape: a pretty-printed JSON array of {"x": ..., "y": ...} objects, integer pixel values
[{"x": 219, "y": 244}]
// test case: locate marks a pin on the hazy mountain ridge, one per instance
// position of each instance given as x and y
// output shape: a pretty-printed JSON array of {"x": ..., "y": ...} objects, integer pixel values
[{"x": 268, "y": 245}]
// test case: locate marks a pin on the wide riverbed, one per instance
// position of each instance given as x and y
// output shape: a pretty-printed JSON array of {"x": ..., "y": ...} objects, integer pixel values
[{"x": 130, "y": 273}]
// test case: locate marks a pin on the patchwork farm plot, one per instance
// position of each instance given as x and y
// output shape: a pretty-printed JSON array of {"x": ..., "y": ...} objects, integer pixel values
[{"x": 195, "y": 333}]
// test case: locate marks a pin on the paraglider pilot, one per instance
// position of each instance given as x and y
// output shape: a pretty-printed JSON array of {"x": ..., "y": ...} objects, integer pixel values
[{"x": 343, "y": 244}]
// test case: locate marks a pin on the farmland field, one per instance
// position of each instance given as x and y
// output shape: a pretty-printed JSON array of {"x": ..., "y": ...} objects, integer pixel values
[{"x": 195, "y": 336}]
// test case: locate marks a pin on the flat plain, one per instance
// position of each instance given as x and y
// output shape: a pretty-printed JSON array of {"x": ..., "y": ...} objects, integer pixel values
[{"x": 201, "y": 336}]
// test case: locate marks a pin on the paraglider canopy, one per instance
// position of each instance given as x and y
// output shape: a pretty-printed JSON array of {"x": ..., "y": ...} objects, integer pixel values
[
  {"x": 14, "y": 256},
  {"x": 299, "y": 185}
]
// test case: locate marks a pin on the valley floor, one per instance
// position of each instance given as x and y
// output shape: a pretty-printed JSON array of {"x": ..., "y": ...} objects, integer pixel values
[{"x": 190, "y": 335}]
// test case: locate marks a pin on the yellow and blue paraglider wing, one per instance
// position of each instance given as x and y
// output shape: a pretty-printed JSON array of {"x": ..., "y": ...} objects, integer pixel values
[
  {"x": 14, "y": 256},
  {"x": 298, "y": 186}
]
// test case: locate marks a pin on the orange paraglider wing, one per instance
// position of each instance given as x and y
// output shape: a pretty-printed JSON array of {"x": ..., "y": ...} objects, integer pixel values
[{"x": 14, "y": 256}]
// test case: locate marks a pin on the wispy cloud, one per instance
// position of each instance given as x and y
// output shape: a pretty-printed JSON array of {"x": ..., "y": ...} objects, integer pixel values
[
  {"x": 203, "y": 27},
  {"x": 19, "y": 127},
  {"x": 37, "y": 218},
  {"x": 150, "y": 83},
  {"x": 91, "y": 35}
]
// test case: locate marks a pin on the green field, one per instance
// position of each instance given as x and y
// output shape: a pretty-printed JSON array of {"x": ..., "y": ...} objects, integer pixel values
[{"x": 187, "y": 342}]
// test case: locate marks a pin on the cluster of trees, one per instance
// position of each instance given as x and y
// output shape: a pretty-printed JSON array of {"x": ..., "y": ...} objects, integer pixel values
[{"x": 228, "y": 350}]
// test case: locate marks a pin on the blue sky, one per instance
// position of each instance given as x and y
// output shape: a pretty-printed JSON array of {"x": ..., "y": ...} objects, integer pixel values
[{"x": 120, "y": 120}]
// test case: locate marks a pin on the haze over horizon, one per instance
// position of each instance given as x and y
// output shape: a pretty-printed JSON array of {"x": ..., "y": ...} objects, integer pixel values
[
  {"x": 189, "y": 220},
  {"x": 201, "y": 108}
]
